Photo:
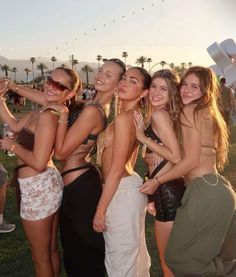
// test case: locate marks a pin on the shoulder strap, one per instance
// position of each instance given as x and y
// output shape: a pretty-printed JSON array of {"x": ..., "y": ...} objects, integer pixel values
[{"x": 158, "y": 168}]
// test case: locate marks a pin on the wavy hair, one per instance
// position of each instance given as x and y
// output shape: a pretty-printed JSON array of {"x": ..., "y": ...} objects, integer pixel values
[{"x": 210, "y": 98}]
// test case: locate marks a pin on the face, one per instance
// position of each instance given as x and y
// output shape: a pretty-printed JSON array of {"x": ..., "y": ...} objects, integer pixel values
[
  {"x": 131, "y": 85},
  {"x": 158, "y": 93},
  {"x": 57, "y": 86},
  {"x": 107, "y": 77},
  {"x": 190, "y": 89}
]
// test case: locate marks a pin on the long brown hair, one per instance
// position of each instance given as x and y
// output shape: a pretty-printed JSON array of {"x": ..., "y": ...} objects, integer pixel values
[{"x": 210, "y": 97}]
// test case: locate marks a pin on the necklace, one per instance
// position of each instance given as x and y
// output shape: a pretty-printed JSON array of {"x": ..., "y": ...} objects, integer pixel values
[{"x": 211, "y": 184}]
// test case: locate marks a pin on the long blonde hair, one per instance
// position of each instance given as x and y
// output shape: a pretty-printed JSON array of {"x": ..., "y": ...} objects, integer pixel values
[{"x": 210, "y": 97}]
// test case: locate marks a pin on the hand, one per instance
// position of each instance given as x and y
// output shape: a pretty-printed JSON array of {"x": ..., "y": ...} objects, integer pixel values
[
  {"x": 99, "y": 222},
  {"x": 4, "y": 83},
  {"x": 6, "y": 143},
  {"x": 139, "y": 126},
  {"x": 149, "y": 187},
  {"x": 151, "y": 208},
  {"x": 60, "y": 108}
]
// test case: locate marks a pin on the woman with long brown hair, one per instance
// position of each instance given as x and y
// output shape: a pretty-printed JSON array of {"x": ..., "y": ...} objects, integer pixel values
[
  {"x": 40, "y": 183},
  {"x": 202, "y": 241}
]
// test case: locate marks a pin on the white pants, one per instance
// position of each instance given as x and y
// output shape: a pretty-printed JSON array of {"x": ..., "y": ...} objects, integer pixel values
[{"x": 126, "y": 250}]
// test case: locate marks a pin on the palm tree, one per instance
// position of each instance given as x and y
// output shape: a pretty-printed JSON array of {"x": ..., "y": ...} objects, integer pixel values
[
  {"x": 149, "y": 60},
  {"x": 32, "y": 60},
  {"x": 171, "y": 65},
  {"x": 183, "y": 65},
  {"x": 53, "y": 59},
  {"x": 124, "y": 55},
  {"x": 99, "y": 58},
  {"x": 5, "y": 68},
  {"x": 14, "y": 69},
  {"x": 141, "y": 60},
  {"x": 162, "y": 63},
  {"x": 27, "y": 71},
  {"x": 190, "y": 64},
  {"x": 41, "y": 67},
  {"x": 74, "y": 63},
  {"x": 86, "y": 69}
]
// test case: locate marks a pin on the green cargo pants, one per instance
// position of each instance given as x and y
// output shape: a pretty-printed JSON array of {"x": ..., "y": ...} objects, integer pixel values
[{"x": 203, "y": 239}]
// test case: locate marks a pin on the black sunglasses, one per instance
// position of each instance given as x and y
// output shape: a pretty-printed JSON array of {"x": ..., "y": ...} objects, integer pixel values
[
  {"x": 55, "y": 84},
  {"x": 119, "y": 62}
]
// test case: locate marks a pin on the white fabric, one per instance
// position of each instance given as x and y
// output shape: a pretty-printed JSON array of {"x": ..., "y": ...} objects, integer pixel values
[
  {"x": 126, "y": 250},
  {"x": 41, "y": 195}
]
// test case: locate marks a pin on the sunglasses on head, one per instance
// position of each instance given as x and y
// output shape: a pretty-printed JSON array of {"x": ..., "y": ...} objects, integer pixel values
[
  {"x": 55, "y": 84},
  {"x": 119, "y": 62}
]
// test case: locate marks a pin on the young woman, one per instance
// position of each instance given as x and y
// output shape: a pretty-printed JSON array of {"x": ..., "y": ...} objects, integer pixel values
[
  {"x": 202, "y": 241},
  {"x": 121, "y": 210},
  {"x": 160, "y": 138},
  {"x": 40, "y": 183},
  {"x": 83, "y": 247}
]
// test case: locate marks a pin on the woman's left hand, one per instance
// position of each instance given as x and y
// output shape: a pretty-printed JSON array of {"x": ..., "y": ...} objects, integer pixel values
[
  {"x": 60, "y": 108},
  {"x": 99, "y": 222},
  {"x": 139, "y": 126},
  {"x": 149, "y": 187}
]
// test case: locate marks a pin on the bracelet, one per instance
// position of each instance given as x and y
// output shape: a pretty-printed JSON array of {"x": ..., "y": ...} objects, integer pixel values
[
  {"x": 100, "y": 211},
  {"x": 158, "y": 181},
  {"x": 61, "y": 121}
]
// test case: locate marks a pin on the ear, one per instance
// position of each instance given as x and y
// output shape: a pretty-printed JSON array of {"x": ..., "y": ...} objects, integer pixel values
[
  {"x": 144, "y": 93},
  {"x": 70, "y": 95}
]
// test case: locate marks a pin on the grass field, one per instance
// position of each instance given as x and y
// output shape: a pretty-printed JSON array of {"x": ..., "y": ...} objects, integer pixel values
[{"x": 15, "y": 259}]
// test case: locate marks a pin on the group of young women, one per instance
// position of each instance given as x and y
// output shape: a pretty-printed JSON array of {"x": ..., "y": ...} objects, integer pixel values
[{"x": 102, "y": 217}]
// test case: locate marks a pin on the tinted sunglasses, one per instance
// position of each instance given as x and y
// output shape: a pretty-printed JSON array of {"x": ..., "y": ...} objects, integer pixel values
[
  {"x": 55, "y": 84},
  {"x": 119, "y": 62}
]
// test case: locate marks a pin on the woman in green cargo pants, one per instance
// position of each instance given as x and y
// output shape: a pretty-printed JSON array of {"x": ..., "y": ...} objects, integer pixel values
[{"x": 203, "y": 239}]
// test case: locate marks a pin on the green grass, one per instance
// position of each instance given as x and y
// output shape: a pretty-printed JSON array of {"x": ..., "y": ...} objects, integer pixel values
[{"x": 15, "y": 258}]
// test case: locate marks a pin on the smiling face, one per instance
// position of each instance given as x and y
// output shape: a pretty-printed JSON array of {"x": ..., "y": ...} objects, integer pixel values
[
  {"x": 107, "y": 77},
  {"x": 159, "y": 93},
  {"x": 190, "y": 89},
  {"x": 57, "y": 86}
]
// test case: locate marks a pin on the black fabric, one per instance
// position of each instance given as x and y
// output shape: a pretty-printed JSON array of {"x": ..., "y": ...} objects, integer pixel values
[
  {"x": 74, "y": 114},
  {"x": 84, "y": 249},
  {"x": 76, "y": 168},
  {"x": 26, "y": 139},
  {"x": 151, "y": 134},
  {"x": 167, "y": 199}
]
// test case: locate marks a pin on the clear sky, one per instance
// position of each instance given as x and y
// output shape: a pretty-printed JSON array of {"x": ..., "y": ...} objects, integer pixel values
[{"x": 171, "y": 30}]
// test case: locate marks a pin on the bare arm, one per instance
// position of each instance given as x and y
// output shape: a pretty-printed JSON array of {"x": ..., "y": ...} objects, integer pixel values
[
  {"x": 68, "y": 141},
  {"x": 15, "y": 124},
  {"x": 34, "y": 95},
  {"x": 45, "y": 131},
  {"x": 190, "y": 160},
  {"x": 120, "y": 151},
  {"x": 162, "y": 123}
]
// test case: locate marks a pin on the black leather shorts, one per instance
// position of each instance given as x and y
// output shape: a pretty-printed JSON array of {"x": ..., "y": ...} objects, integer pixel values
[{"x": 167, "y": 199}]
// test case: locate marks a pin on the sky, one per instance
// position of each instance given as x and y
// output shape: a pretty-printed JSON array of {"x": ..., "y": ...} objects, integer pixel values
[{"x": 171, "y": 30}]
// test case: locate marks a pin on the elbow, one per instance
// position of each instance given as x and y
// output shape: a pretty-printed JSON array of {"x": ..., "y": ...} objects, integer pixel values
[{"x": 176, "y": 159}]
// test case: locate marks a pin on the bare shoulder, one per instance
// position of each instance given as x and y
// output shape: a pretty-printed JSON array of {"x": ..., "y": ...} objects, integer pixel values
[
  {"x": 188, "y": 116},
  {"x": 160, "y": 114},
  {"x": 124, "y": 119}
]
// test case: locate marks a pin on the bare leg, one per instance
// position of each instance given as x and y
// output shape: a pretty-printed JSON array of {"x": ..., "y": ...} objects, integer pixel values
[
  {"x": 3, "y": 189},
  {"x": 55, "y": 256},
  {"x": 39, "y": 235},
  {"x": 162, "y": 233}
]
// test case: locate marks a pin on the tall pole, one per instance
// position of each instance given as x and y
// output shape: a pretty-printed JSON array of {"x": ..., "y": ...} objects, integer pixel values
[{"x": 72, "y": 61}]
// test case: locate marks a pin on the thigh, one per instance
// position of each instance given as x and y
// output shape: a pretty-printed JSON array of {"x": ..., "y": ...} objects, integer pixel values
[{"x": 39, "y": 235}]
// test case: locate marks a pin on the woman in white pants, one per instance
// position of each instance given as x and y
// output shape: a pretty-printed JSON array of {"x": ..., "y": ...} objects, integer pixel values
[{"x": 122, "y": 208}]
